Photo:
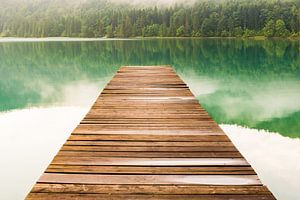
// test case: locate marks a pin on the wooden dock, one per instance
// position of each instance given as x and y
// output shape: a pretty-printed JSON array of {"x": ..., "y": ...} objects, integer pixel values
[{"x": 147, "y": 137}]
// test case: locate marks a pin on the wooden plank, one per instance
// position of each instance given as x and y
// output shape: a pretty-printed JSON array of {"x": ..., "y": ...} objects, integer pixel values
[
  {"x": 147, "y": 148},
  {"x": 150, "y": 179},
  {"x": 151, "y": 189},
  {"x": 66, "y": 196},
  {"x": 92, "y": 129},
  {"x": 149, "y": 154},
  {"x": 147, "y": 137},
  {"x": 150, "y": 161},
  {"x": 100, "y": 169},
  {"x": 145, "y": 143},
  {"x": 139, "y": 136}
]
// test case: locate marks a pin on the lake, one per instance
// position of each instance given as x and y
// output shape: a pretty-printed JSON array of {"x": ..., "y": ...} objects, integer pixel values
[{"x": 250, "y": 87}]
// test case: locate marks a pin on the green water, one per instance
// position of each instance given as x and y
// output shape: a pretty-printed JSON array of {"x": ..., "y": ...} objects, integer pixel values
[{"x": 245, "y": 82}]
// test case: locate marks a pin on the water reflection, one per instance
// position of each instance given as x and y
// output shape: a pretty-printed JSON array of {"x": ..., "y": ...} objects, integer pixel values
[
  {"x": 274, "y": 158},
  {"x": 271, "y": 105},
  {"x": 246, "y": 82},
  {"x": 30, "y": 138}
]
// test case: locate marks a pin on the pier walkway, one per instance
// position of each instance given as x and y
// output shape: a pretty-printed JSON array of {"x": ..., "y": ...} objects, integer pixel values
[{"x": 147, "y": 137}]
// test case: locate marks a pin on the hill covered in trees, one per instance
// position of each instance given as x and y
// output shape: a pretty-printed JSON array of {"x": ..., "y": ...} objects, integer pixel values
[{"x": 103, "y": 18}]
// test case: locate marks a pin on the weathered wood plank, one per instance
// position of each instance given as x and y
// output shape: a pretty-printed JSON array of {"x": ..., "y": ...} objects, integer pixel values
[
  {"x": 139, "y": 136},
  {"x": 143, "y": 143},
  {"x": 150, "y": 161},
  {"x": 151, "y": 189},
  {"x": 100, "y": 169},
  {"x": 149, "y": 154},
  {"x": 92, "y": 129},
  {"x": 147, "y": 148},
  {"x": 66, "y": 196},
  {"x": 150, "y": 179}
]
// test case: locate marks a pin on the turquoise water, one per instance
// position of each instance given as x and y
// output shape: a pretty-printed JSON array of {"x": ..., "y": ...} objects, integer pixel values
[{"x": 245, "y": 82}]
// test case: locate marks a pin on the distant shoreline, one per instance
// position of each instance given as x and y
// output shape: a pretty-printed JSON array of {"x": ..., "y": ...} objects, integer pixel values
[
  {"x": 55, "y": 39},
  {"x": 74, "y": 39}
]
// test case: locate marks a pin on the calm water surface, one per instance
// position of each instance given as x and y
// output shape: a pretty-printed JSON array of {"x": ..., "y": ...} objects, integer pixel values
[{"x": 46, "y": 87}]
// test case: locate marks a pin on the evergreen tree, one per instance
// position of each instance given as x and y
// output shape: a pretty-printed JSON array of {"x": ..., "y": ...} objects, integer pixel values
[
  {"x": 280, "y": 29},
  {"x": 109, "y": 31},
  {"x": 180, "y": 31},
  {"x": 269, "y": 29}
]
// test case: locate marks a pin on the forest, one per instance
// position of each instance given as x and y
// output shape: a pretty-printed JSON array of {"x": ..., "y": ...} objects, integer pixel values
[{"x": 103, "y": 18}]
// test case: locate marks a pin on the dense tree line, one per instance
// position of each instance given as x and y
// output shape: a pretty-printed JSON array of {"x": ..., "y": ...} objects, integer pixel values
[{"x": 100, "y": 18}]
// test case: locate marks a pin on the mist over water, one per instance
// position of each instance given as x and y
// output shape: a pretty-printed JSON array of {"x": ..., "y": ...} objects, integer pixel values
[
  {"x": 272, "y": 156},
  {"x": 30, "y": 138}
]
